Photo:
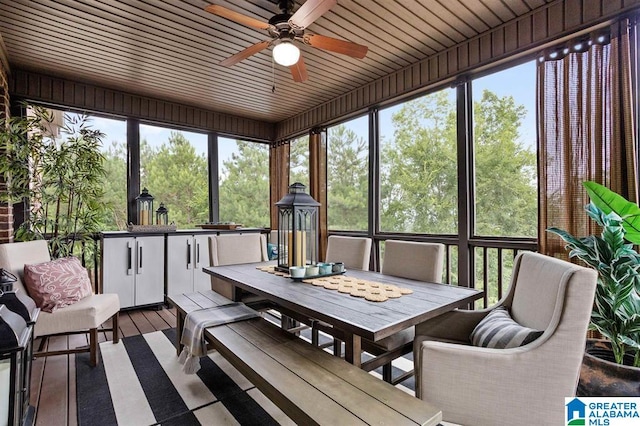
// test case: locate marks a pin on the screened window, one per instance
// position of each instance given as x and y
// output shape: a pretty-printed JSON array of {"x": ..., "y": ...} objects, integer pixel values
[
  {"x": 173, "y": 167},
  {"x": 418, "y": 166},
  {"x": 244, "y": 182},
  {"x": 348, "y": 175},
  {"x": 504, "y": 136},
  {"x": 299, "y": 161},
  {"x": 114, "y": 149}
]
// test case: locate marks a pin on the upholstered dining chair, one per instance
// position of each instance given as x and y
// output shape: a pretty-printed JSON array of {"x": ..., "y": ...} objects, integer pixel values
[
  {"x": 273, "y": 236},
  {"x": 407, "y": 259},
  {"x": 81, "y": 317},
  {"x": 505, "y": 375},
  {"x": 272, "y": 245},
  {"x": 416, "y": 261},
  {"x": 354, "y": 252},
  {"x": 234, "y": 249}
]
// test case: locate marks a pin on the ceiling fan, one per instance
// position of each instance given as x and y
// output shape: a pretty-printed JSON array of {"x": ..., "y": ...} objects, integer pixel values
[{"x": 286, "y": 28}]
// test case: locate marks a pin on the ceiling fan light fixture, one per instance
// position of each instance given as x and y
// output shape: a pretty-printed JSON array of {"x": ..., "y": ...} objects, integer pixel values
[{"x": 286, "y": 53}]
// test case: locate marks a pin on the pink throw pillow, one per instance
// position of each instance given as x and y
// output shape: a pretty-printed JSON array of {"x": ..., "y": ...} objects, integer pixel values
[{"x": 57, "y": 283}]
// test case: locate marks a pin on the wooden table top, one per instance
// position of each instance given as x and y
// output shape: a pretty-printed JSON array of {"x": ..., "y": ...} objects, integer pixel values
[{"x": 370, "y": 320}]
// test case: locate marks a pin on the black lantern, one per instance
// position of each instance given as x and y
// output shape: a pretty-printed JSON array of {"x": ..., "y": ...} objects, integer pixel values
[
  {"x": 18, "y": 315},
  {"x": 16, "y": 301},
  {"x": 162, "y": 215},
  {"x": 6, "y": 280},
  {"x": 298, "y": 219},
  {"x": 16, "y": 351},
  {"x": 145, "y": 207}
]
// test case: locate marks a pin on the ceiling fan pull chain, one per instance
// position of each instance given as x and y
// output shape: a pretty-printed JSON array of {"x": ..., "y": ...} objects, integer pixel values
[{"x": 273, "y": 76}]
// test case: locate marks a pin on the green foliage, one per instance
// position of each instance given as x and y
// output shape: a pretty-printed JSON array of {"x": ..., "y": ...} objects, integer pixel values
[
  {"x": 177, "y": 176},
  {"x": 616, "y": 312},
  {"x": 608, "y": 201},
  {"x": 419, "y": 181},
  {"x": 419, "y": 175},
  {"x": 115, "y": 187},
  {"x": 505, "y": 170},
  {"x": 347, "y": 180},
  {"x": 499, "y": 266},
  {"x": 61, "y": 179},
  {"x": 299, "y": 161},
  {"x": 244, "y": 186}
]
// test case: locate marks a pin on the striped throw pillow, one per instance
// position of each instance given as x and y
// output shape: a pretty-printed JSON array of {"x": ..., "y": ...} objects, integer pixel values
[{"x": 499, "y": 331}]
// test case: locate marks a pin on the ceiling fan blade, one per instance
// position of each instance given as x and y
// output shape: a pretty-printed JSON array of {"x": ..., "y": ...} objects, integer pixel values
[
  {"x": 237, "y": 17},
  {"x": 299, "y": 71},
  {"x": 309, "y": 12},
  {"x": 244, "y": 54},
  {"x": 336, "y": 45}
]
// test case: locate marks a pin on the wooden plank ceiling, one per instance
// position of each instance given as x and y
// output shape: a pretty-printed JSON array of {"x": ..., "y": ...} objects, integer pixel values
[{"x": 171, "y": 49}]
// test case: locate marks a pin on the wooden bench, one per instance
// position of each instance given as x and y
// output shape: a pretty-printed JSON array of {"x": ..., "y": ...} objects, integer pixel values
[{"x": 309, "y": 385}]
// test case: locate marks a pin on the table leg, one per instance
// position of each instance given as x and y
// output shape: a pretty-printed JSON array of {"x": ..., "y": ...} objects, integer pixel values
[
  {"x": 237, "y": 294},
  {"x": 353, "y": 349},
  {"x": 287, "y": 323},
  {"x": 179, "y": 326}
]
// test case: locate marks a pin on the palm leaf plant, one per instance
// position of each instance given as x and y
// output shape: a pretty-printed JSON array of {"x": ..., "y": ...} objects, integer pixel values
[{"x": 616, "y": 311}]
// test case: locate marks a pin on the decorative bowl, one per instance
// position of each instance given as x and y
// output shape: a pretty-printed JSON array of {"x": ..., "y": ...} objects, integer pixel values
[{"x": 297, "y": 271}]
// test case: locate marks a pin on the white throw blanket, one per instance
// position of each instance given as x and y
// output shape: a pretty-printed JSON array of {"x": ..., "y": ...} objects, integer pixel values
[{"x": 195, "y": 323}]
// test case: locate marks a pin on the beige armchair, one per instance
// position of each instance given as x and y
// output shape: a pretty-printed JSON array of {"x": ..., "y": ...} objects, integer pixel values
[
  {"x": 233, "y": 249},
  {"x": 485, "y": 386},
  {"x": 354, "y": 252},
  {"x": 84, "y": 316}
]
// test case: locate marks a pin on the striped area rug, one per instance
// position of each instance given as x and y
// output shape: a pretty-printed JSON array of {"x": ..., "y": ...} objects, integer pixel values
[{"x": 139, "y": 382}]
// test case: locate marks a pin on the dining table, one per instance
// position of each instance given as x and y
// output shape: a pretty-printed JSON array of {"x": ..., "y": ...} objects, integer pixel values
[{"x": 355, "y": 317}]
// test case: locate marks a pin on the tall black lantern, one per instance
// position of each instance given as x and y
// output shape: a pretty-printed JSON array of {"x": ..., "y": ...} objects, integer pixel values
[
  {"x": 18, "y": 314},
  {"x": 298, "y": 226},
  {"x": 16, "y": 351},
  {"x": 145, "y": 208}
]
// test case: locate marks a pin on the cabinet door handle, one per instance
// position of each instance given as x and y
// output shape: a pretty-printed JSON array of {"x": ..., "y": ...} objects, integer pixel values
[
  {"x": 188, "y": 254},
  {"x": 129, "y": 258},
  {"x": 197, "y": 255},
  {"x": 139, "y": 243}
]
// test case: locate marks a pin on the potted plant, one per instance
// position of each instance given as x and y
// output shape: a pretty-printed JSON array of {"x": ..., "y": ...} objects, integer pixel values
[
  {"x": 59, "y": 179},
  {"x": 612, "y": 366}
]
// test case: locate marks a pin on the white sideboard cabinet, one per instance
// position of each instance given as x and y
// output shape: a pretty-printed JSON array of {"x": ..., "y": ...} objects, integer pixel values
[
  {"x": 187, "y": 254},
  {"x": 133, "y": 267},
  {"x": 144, "y": 267}
]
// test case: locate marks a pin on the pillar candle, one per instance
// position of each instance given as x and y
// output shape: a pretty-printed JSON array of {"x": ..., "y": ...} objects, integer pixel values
[{"x": 300, "y": 258}]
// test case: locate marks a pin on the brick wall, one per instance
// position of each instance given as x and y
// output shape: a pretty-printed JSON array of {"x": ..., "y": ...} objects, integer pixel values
[{"x": 6, "y": 211}]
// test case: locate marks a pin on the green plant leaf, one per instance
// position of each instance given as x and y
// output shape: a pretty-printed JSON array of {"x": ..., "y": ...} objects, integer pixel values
[
  {"x": 630, "y": 342},
  {"x": 608, "y": 201}
]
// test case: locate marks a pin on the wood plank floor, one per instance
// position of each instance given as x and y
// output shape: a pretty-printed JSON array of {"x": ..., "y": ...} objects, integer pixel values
[{"x": 53, "y": 391}]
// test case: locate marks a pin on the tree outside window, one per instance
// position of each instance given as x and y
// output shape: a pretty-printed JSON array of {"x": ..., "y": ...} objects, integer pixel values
[
  {"x": 244, "y": 183},
  {"x": 418, "y": 166},
  {"x": 173, "y": 167},
  {"x": 299, "y": 161},
  {"x": 348, "y": 176}
]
